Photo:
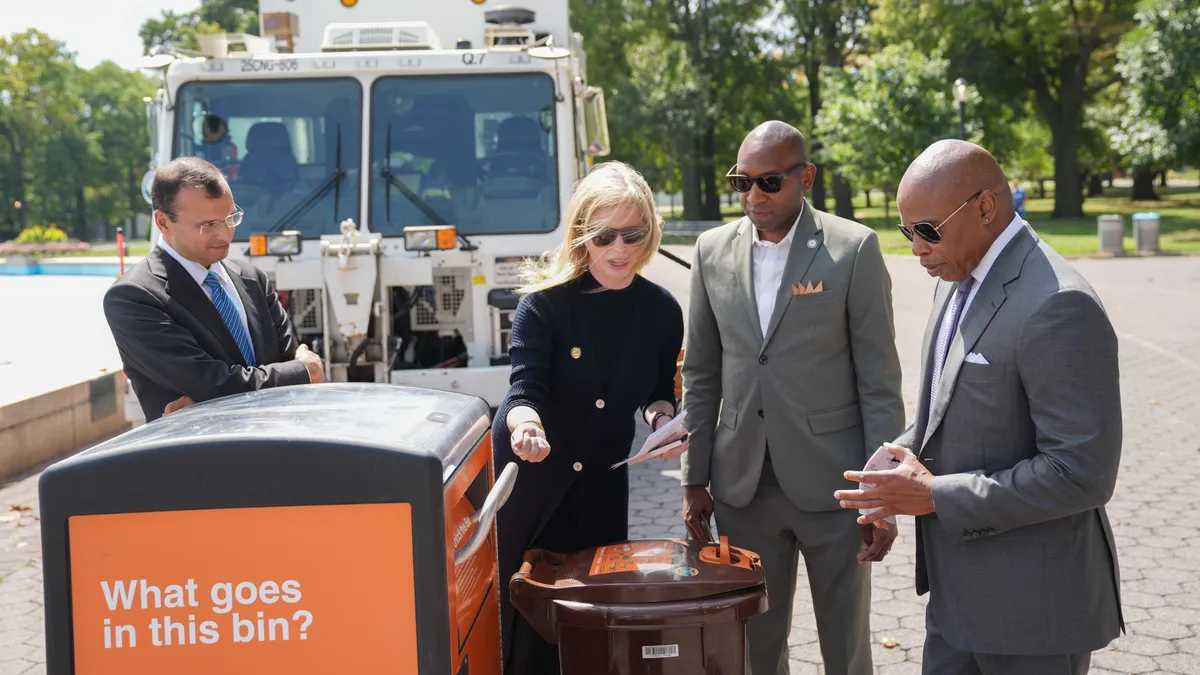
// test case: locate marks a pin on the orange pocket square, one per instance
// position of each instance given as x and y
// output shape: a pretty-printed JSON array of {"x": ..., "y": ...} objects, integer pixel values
[{"x": 798, "y": 289}]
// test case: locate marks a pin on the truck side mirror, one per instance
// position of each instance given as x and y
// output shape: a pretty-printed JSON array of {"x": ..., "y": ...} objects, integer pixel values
[{"x": 596, "y": 122}]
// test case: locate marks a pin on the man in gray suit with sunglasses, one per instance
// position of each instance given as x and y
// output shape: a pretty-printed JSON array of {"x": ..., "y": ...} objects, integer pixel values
[
  {"x": 1017, "y": 439},
  {"x": 791, "y": 378}
]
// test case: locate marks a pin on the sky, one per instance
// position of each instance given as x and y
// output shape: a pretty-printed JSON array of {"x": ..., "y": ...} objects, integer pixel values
[{"x": 96, "y": 30}]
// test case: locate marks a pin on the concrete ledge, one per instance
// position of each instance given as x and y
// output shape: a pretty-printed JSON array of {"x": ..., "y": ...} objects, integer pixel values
[{"x": 44, "y": 428}]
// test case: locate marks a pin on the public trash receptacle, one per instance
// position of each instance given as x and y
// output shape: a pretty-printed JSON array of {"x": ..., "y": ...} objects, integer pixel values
[
  {"x": 1111, "y": 229},
  {"x": 652, "y": 607},
  {"x": 334, "y": 528},
  {"x": 1145, "y": 231}
]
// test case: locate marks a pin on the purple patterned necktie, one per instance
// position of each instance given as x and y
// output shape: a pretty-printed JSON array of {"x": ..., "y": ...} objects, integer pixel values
[{"x": 943, "y": 346}]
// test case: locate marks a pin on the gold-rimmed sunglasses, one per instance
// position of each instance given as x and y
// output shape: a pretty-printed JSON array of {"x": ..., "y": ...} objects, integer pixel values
[{"x": 927, "y": 230}]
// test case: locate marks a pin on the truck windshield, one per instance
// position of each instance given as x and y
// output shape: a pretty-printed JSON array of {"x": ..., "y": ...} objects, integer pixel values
[
  {"x": 290, "y": 149},
  {"x": 476, "y": 152}
]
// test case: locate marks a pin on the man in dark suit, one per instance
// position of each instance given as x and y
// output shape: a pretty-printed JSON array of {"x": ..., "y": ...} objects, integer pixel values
[
  {"x": 1018, "y": 435},
  {"x": 189, "y": 325}
]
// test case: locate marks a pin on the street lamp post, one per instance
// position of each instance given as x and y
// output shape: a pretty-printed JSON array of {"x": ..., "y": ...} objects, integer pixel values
[{"x": 960, "y": 97}]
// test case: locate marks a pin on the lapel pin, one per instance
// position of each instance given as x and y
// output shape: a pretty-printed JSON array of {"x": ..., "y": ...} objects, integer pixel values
[
  {"x": 576, "y": 352},
  {"x": 812, "y": 243}
]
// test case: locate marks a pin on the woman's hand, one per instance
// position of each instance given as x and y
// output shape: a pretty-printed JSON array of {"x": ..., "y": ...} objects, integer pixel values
[
  {"x": 662, "y": 421},
  {"x": 529, "y": 442}
]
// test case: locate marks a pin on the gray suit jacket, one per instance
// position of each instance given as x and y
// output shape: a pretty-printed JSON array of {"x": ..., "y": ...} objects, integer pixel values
[
  {"x": 822, "y": 389},
  {"x": 1019, "y": 557}
]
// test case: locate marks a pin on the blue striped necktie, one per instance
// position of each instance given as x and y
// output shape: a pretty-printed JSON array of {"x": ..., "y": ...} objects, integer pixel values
[{"x": 229, "y": 315}]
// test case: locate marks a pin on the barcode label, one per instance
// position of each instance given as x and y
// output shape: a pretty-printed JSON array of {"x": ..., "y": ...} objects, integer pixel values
[{"x": 660, "y": 651}]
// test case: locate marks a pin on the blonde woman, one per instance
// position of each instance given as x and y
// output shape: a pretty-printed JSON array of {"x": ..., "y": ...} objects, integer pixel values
[{"x": 593, "y": 342}]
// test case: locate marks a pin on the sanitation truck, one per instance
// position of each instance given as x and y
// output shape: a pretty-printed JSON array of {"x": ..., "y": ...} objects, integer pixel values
[{"x": 396, "y": 160}]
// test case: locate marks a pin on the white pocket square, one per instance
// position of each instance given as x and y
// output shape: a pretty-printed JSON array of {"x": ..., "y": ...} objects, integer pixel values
[{"x": 976, "y": 357}]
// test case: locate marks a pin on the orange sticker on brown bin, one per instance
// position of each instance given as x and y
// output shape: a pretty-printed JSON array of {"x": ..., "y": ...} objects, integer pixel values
[
  {"x": 298, "y": 589},
  {"x": 650, "y": 556}
]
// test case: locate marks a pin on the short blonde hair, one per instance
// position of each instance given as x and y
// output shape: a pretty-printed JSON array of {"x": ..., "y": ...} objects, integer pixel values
[{"x": 608, "y": 185}]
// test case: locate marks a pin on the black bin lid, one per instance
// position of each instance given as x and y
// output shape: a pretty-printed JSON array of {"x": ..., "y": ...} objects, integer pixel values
[{"x": 419, "y": 422}]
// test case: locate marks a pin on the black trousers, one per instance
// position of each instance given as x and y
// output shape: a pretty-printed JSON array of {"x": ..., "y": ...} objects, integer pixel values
[{"x": 594, "y": 511}]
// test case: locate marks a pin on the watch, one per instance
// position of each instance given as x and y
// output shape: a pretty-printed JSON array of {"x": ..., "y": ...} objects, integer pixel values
[{"x": 654, "y": 420}]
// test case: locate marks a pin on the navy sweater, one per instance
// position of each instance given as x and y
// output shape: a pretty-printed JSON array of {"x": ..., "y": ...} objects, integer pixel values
[{"x": 586, "y": 361}]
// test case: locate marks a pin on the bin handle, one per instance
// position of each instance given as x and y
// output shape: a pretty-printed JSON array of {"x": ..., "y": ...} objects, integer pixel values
[
  {"x": 486, "y": 515},
  {"x": 725, "y": 559}
]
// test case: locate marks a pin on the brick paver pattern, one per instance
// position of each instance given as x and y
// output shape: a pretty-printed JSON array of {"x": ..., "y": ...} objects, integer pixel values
[{"x": 1154, "y": 307}]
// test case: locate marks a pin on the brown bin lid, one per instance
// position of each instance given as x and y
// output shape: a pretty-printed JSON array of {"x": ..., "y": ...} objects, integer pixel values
[{"x": 643, "y": 571}]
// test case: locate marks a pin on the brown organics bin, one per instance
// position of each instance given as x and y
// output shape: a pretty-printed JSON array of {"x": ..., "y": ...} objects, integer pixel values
[{"x": 648, "y": 607}]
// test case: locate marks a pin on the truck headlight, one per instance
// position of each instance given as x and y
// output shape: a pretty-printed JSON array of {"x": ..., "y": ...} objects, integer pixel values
[
  {"x": 275, "y": 244},
  {"x": 430, "y": 238}
]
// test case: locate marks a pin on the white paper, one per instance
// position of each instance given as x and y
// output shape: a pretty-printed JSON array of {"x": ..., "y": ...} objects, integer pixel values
[
  {"x": 976, "y": 357},
  {"x": 882, "y": 460},
  {"x": 650, "y": 447}
]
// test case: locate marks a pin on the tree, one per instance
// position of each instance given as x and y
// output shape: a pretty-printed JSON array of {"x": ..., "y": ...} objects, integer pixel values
[
  {"x": 684, "y": 80},
  {"x": 825, "y": 33},
  {"x": 1063, "y": 52},
  {"x": 876, "y": 120},
  {"x": 176, "y": 30},
  {"x": 117, "y": 115},
  {"x": 1160, "y": 110},
  {"x": 731, "y": 68},
  {"x": 35, "y": 101}
]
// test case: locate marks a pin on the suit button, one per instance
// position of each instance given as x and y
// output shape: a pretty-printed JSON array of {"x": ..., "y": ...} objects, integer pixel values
[
  {"x": 577, "y": 466},
  {"x": 760, "y": 413},
  {"x": 763, "y": 359},
  {"x": 600, "y": 403}
]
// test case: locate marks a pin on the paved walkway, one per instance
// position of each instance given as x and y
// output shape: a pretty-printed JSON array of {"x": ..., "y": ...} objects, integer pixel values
[{"x": 1153, "y": 303}]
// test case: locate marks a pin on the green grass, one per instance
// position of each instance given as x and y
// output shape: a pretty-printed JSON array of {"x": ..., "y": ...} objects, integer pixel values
[{"x": 1179, "y": 229}]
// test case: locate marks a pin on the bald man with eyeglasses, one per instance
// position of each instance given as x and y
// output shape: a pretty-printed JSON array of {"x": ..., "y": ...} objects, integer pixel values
[
  {"x": 791, "y": 378},
  {"x": 190, "y": 325}
]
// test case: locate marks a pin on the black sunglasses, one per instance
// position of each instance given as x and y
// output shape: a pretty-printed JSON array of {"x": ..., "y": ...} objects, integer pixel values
[
  {"x": 927, "y": 230},
  {"x": 630, "y": 235},
  {"x": 772, "y": 182}
]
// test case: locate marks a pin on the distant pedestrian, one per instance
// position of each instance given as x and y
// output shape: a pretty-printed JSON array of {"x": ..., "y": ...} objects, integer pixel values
[{"x": 1018, "y": 194}]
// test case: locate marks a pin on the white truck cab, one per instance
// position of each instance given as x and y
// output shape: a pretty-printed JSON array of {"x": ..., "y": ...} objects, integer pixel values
[{"x": 395, "y": 160}]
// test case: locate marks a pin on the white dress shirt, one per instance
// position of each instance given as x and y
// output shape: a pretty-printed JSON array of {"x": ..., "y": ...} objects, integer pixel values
[
  {"x": 200, "y": 272},
  {"x": 769, "y": 261},
  {"x": 979, "y": 273}
]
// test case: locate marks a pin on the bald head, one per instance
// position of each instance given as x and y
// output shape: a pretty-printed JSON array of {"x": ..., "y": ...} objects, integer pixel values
[
  {"x": 956, "y": 193},
  {"x": 956, "y": 169},
  {"x": 778, "y": 135}
]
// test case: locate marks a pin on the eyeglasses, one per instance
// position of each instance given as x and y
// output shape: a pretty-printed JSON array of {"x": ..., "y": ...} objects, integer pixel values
[
  {"x": 927, "y": 230},
  {"x": 231, "y": 222},
  {"x": 630, "y": 235},
  {"x": 772, "y": 182}
]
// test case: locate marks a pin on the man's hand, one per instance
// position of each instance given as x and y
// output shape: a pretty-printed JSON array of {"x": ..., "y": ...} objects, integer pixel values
[
  {"x": 697, "y": 507},
  {"x": 179, "y": 403},
  {"x": 316, "y": 370},
  {"x": 529, "y": 442},
  {"x": 877, "y": 541},
  {"x": 906, "y": 490}
]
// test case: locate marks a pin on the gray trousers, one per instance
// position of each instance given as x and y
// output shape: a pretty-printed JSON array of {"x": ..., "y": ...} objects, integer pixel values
[
  {"x": 940, "y": 658},
  {"x": 771, "y": 526}
]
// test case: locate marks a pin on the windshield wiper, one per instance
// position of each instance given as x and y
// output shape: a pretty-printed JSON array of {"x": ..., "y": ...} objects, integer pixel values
[
  {"x": 392, "y": 180},
  {"x": 333, "y": 180}
]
